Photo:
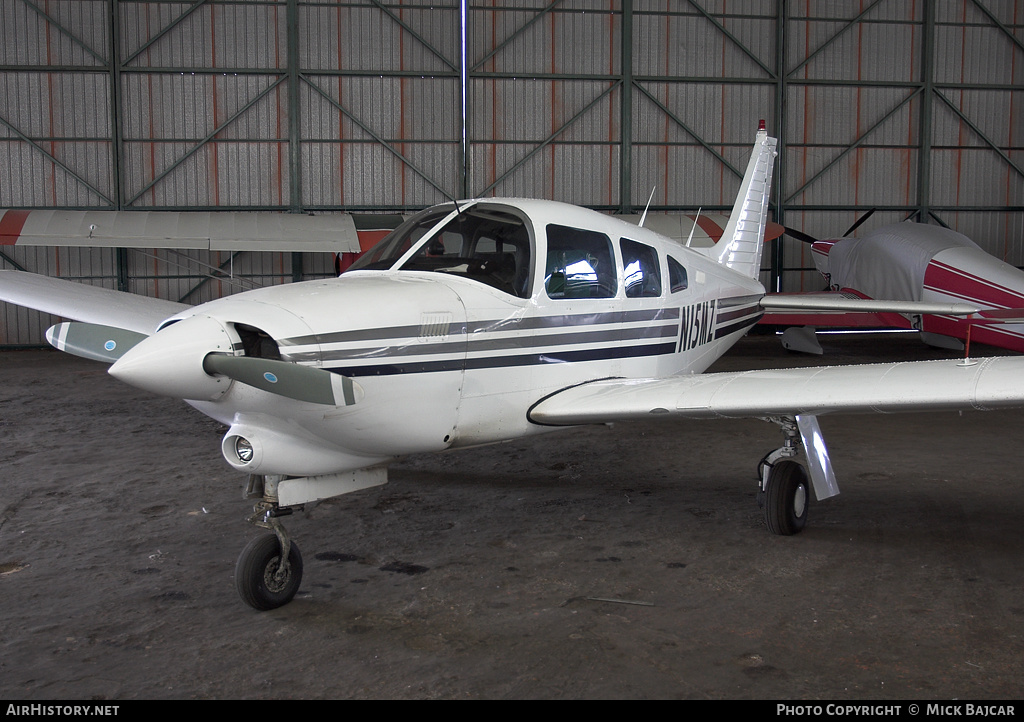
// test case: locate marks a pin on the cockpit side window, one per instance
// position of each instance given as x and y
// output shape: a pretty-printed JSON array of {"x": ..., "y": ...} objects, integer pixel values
[
  {"x": 641, "y": 270},
  {"x": 485, "y": 243},
  {"x": 580, "y": 264},
  {"x": 676, "y": 276}
]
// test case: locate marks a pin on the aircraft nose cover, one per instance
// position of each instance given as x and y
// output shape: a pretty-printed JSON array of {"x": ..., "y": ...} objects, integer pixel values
[{"x": 170, "y": 362}]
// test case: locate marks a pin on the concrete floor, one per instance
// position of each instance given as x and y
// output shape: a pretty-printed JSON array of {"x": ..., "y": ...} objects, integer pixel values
[{"x": 622, "y": 562}]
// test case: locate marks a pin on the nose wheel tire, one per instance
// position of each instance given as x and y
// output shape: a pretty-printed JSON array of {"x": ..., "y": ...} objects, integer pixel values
[
  {"x": 262, "y": 581},
  {"x": 786, "y": 498}
]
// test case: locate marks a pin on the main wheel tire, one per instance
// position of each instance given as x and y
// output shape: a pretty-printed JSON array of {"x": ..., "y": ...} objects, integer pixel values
[
  {"x": 257, "y": 573},
  {"x": 787, "y": 498}
]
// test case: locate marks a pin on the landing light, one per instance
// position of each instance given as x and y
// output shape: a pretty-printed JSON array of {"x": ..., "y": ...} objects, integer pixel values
[{"x": 243, "y": 450}]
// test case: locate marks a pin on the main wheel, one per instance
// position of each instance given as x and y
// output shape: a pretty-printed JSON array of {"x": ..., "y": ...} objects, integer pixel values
[
  {"x": 786, "y": 499},
  {"x": 260, "y": 581}
]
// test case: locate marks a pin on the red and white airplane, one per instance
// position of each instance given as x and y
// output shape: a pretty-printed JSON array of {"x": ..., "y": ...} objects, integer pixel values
[
  {"x": 915, "y": 262},
  {"x": 487, "y": 320}
]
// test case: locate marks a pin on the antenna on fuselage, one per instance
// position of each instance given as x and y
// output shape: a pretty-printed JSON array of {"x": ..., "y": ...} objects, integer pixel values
[
  {"x": 694, "y": 227},
  {"x": 644, "y": 216}
]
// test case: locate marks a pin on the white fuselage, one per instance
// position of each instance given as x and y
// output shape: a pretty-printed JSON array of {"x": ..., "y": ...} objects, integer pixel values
[{"x": 445, "y": 360}]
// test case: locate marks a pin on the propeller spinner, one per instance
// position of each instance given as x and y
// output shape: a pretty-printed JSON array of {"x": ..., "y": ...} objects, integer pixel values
[{"x": 194, "y": 359}]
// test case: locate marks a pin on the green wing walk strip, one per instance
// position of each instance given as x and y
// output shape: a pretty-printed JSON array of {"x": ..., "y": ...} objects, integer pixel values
[
  {"x": 284, "y": 378},
  {"x": 92, "y": 341}
]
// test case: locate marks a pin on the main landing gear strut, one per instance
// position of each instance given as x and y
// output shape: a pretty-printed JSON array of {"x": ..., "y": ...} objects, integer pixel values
[
  {"x": 783, "y": 487},
  {"x": 269, "y": 569}
]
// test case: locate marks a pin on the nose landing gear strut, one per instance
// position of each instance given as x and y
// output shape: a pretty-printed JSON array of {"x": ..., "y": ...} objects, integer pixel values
[{"x": 269, "y": 569}]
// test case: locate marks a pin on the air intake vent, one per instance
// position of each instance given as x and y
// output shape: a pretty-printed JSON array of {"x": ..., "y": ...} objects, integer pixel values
[{"x": 435, "y": 326}]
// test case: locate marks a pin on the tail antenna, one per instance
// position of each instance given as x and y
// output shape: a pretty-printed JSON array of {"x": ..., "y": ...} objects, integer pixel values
[
  {"x": 644, "y": 216},
  {"x": 694, "y": 227}
]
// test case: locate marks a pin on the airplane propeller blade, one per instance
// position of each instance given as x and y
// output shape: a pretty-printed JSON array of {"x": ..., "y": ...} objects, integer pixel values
[
  {"x": 800, "y": 236},
  {"x": 92, "y": 340},
  {"x": 302, "y": 383},
  {"x": 858, "y": 222}
]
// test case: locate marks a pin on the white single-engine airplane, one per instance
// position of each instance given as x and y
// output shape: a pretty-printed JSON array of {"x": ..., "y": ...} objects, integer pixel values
[{"x": 483, "y": 321}]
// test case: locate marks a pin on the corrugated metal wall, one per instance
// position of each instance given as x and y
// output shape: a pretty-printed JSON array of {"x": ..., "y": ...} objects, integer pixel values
[
  {"x": 545, "y": 98},
  {"x": 908, "y": 107}
]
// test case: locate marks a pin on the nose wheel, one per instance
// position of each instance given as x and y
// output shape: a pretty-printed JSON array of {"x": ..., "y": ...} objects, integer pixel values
[
  {"x": 262, "y": 580},
  {"x": 269, "y": 569}
]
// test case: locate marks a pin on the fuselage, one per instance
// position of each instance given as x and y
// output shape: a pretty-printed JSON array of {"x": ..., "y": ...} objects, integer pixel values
[{"x": 463, "y": 318}]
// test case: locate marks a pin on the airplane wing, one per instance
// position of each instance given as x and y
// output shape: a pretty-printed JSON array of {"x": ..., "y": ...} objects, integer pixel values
[
  {"x": 870, "y": 388},
  {"x": 214, "y": 231},
  {"x": 89, "y": 304}
]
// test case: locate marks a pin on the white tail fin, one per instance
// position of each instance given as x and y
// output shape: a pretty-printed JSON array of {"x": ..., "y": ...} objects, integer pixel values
[{"x": 741, "y": 243}]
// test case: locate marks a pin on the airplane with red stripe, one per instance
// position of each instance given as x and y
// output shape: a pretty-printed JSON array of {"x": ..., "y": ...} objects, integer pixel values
[{"x": 914, "y": 262}]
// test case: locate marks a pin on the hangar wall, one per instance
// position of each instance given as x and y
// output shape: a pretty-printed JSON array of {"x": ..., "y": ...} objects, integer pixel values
[{"x": 910, "y": 108}]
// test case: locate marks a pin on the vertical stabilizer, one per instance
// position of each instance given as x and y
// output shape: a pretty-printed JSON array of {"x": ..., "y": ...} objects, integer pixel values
[{"x": 741, "y": 243}]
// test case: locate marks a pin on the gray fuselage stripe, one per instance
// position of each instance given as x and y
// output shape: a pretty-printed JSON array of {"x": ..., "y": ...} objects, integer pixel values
[
  {"x": 412, "y": 347},
  {"x": 532, "y": 323}
]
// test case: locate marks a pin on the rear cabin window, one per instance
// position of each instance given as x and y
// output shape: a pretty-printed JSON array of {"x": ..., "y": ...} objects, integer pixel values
[
  {"x": 580, "y": 264},
  {"x": 641, "y": 271},
  {"x": 676, "y": 275}
]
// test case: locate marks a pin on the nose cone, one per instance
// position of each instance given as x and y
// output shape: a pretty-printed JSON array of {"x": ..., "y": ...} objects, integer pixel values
[{"x": 170, "y": 362}]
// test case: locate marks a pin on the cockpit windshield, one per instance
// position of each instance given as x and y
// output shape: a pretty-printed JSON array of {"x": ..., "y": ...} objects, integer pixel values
[
  {"x": 394, "y": 245},
  {"x": 485, "y": 242}
]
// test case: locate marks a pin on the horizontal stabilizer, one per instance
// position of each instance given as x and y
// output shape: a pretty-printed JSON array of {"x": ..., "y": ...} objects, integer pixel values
[
  {"x": 284, "y": 378},
  {"x": 92, "y": 341},
  {"x": 999, "y": 315},
  {"x": 838, "y": 303}
]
